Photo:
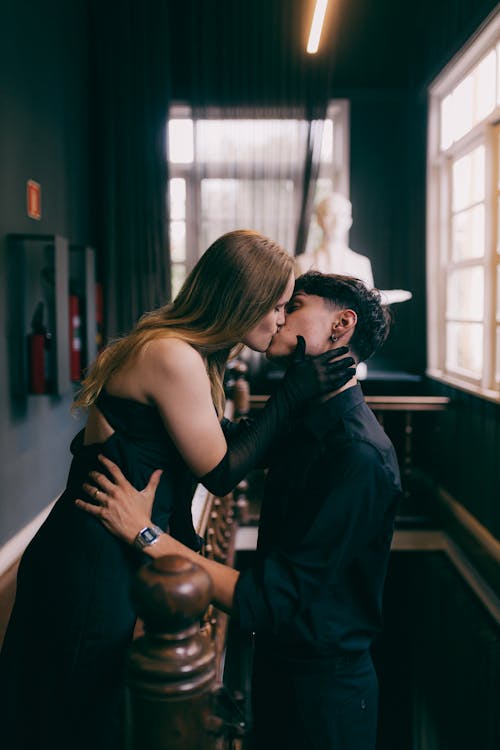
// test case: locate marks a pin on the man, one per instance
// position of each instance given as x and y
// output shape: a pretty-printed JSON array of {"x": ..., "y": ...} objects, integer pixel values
[{"x": 313, "y": 597}]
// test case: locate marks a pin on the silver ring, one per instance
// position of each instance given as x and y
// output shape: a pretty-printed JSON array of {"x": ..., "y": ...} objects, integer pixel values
[{"x": 96, "y": 493}]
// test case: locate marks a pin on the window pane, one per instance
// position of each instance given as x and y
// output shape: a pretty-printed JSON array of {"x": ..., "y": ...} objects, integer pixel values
[
  {"x": 498, "y": 162},
  {"x": 465, "y": 298},
  {"x": 484, "y": 85},
  {"x": 468, "y": 179},
  {"x": 447, "y": 122},
  {"x": 497, "y": 368},
  {"x": 498, "y": 73},
  {"x": 468, "y": 239},
  {"x": 178, "y": 275},
  {"x": 178, "y": 241},
  {"x": 180, "y": 141},
  {"x": 250, "y": 169},
  {"x": 463, "y": 105},
  {"x": 327, "y": 142},
  {"x": 249, "y": 141},
  {"x": 498, "y": 225},
  {"x": 264, "y": 205},
  {"x": 498, "y": 294},
  {"x": 177, "y": 194},
  {"x": 219, "y": 199},
  {"x": 464, "y": 348}
]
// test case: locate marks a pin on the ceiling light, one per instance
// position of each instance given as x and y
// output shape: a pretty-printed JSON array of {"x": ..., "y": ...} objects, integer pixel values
[{"x": 316, "y": 26}]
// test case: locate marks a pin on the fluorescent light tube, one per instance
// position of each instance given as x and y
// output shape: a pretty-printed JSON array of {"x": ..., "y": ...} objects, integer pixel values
[{"x": 316, "y": 26}]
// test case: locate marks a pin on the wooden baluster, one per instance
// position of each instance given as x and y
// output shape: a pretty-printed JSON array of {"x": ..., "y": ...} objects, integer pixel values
[
  {"x": 171, "y": 669},
  {"x": 241, "y": 390},
  {"x": 222, "y": 520},
  {"x": 241, "y": 400},
  {"x": 241, "y": 504},
  {"x": 220, "y": 545}
]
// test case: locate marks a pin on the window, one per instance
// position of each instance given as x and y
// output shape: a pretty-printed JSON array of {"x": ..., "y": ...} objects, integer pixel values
[
  {"x": 246, "y": 172},
  {"x": 463, "y": 217}
]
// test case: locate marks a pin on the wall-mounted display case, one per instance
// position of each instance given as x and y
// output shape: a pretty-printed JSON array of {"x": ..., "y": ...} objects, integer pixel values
[{"x": 46, "y": 277}]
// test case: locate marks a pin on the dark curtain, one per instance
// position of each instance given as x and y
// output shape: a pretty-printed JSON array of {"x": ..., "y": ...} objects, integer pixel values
[
  {"x": 131, "y": 84},
  {"x": 311, "y": 171},
  {"x": 222, "y": 36},
  {"x": 269, "y": 207},
  {"x": 205, "y": 53}
]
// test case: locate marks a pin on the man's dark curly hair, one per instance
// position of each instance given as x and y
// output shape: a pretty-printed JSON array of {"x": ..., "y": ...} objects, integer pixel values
[{"x": 374, "y": 318}]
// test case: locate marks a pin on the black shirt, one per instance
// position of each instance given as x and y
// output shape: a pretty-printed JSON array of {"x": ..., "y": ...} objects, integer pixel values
[{"x": 325, "y": 533}]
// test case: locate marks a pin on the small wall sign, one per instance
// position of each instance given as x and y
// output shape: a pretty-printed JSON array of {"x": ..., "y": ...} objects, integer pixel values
[{"x": 34, "y": 199}]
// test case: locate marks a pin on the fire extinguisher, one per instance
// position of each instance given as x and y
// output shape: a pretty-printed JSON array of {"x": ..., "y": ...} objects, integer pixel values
[
  {"x": 39, "y": 341},
  {"x": 75, "y": 338},
  {"x": 99, "y": 316}
]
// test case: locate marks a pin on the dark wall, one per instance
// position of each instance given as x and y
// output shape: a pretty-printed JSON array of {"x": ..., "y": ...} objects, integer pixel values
[
  {"x": 388, "y": 200},
  {"x": 44, "y": 135}
]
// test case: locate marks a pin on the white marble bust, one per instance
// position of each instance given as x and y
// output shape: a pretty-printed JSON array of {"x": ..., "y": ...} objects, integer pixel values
[{"x": 333, "y": 255}]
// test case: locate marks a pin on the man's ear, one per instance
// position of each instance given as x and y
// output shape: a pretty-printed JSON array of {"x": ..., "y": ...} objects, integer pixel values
[{"x": 345, "y": 323}]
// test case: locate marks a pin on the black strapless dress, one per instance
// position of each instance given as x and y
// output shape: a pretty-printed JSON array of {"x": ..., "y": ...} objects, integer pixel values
[{"x": 61, "y": 666}]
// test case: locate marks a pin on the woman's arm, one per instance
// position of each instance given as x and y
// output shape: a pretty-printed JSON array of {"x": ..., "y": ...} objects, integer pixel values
[
  {"x": 175, "y": 379},
  {"x": 173, "y": 376},
  {"x": 124, "y": 511}
]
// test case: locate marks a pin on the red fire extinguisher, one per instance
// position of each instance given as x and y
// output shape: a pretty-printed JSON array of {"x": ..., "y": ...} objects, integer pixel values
[
  {"x": 38, "y": 354},
  {"x": 99, "y": 316},
  {"x": 75, "y": 338}
]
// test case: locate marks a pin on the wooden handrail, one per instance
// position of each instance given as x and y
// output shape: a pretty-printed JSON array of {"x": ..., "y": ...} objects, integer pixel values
[
  {"x": 384, "y": 403},
  {"x": 408, "y": 403}
]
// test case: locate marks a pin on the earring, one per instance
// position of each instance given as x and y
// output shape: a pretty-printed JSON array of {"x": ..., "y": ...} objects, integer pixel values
[{"x": 333, "y": 338}]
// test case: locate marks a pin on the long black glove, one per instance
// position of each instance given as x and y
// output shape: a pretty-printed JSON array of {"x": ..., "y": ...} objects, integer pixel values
[{"x": 305, "y": 378}]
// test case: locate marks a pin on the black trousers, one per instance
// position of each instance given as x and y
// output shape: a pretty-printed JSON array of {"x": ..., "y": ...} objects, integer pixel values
[{"x": 312, "y": 704}]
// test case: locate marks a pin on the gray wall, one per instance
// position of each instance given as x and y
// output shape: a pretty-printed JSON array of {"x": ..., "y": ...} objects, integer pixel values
[{"x": 44, "y": 135}]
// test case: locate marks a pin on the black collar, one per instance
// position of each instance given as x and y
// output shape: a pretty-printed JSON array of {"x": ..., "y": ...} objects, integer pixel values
[{"x": 322, "y": 416}]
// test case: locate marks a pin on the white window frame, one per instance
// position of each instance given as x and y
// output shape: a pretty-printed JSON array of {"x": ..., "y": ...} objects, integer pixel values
[
  {"x": 438, "y": 232},
  {"x": 338, "y": 110}
]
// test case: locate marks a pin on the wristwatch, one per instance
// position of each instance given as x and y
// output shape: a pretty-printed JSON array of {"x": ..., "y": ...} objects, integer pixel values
[{"x": 147, "y": 536}]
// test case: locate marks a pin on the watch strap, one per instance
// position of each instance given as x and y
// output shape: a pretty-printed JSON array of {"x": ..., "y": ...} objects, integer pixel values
[{"x": 147, "y": 536}]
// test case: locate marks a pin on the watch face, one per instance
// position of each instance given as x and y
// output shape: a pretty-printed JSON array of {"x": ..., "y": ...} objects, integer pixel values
[{"x": 148, "y": 535}]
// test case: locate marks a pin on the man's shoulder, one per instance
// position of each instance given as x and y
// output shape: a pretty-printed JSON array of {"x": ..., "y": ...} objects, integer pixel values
[
  {"x": 360, "y": 434},
  {"x": 356, "y": 457}
]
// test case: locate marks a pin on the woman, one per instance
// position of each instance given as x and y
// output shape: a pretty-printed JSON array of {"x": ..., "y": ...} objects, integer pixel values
[{"x": 155, "y": 399}]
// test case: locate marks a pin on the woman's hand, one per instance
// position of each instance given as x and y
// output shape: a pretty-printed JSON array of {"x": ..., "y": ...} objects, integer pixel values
[
  {"x": 121, "y": 508},
  {"x": 310, "y": 376}
]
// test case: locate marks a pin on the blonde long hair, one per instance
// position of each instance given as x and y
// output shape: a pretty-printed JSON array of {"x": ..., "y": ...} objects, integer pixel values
[{"x": 235, "y": 283}]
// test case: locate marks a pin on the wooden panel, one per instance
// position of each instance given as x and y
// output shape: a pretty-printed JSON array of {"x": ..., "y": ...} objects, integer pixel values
[{"x": 463, "y": 454}]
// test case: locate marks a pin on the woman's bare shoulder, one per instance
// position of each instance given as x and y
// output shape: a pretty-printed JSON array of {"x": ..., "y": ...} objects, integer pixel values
[
  {"x": 160, "y": 361},
  {"x": 171, "y": 345},
  {"x": 171, "y": 355}
]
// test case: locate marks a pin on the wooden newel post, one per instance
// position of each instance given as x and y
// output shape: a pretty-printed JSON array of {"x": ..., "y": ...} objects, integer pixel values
[{"x": 171, "y": 668}]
